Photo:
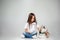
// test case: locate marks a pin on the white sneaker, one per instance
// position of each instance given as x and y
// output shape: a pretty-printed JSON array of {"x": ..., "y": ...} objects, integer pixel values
[
  {"x": 34, "y": 36},
  {"x": 22, "y": 36}
]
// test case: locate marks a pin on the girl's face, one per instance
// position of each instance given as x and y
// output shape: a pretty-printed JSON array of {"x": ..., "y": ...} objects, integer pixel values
[{"x": 32, "y": 19}]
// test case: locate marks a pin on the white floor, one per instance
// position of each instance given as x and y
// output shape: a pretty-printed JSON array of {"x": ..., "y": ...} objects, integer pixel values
[{"x": 19, "y": 38}]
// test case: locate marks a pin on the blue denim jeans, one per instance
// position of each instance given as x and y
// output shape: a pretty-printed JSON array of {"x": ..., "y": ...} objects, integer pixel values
[{"x": 29, "y": 35}]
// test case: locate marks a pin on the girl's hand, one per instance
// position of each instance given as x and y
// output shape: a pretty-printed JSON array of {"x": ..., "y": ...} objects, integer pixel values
[{"x": 26, "y": 30}]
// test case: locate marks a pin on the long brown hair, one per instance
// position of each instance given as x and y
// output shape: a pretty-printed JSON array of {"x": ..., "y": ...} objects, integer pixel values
[{"x": 30, "y": 17}]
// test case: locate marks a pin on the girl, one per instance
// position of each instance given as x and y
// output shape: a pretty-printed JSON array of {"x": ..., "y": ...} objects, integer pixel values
[{"x": 31, "y": 26}]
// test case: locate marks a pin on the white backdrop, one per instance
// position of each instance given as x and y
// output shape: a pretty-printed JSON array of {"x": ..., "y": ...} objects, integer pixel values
[{"x": 15, "y": 13}]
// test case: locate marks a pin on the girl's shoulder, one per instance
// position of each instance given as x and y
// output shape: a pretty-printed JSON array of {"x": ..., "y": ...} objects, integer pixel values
[{"x": 27, "y": 23}]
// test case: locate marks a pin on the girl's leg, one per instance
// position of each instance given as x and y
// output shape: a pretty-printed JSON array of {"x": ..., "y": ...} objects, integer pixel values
[
  {"x": 34, "y": 33},
  {"x": 27, "y": 35}
]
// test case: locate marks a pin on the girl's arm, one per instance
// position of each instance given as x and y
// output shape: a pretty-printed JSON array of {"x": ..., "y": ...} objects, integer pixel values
[
  {"x": 26, "y": 28},
  {"x": 39, "y": 28}
]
